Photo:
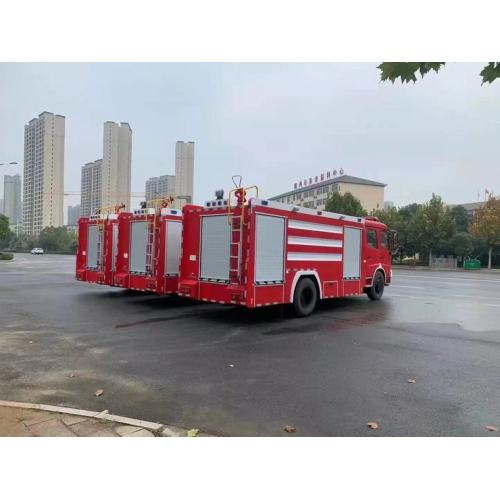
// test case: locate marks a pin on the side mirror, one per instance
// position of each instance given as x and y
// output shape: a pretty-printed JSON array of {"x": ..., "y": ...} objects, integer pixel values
[{"x": 393, "y": 241}]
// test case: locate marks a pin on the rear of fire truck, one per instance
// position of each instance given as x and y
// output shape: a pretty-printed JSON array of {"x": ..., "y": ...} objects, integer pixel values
[
  {"x": 149, "y": 248},
  {"x": 97, "y": 246}
]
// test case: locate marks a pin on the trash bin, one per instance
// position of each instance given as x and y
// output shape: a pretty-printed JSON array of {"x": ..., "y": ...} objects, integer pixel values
[{"x": 472, "y": 264}]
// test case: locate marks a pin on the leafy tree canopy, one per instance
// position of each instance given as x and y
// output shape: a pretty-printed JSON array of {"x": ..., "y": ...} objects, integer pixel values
[
  {"x": 344, "y": 204},
  {"x": 487, "y": 222},
  {"x": 407, "y": 71},
  {"x": 431, "y": 226},
  {"x": 5, "y": 232},
  {"x": 461, "y": 217}
]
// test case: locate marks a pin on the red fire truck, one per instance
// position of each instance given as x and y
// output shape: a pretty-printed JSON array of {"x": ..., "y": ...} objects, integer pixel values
[
  {"x": 97, "y": 247},
  {"x": 257, "y": 253},
  {"x": 149, "y": 242}
]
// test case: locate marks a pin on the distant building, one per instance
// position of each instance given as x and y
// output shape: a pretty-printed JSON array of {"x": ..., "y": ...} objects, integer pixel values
[
  {"x": 160, "y": 187},
  {"x": 73, "y": 215},
  {"x": 43, "y": 190},
  {"x": 90, "y": 197},
  {"x": 313, "y": 192},
  {"x": 1, "y": 206},
  {"x": 184, "y": 172},
  {"x": 473, "y": 207},
  {"x": 116, "y": 164},
  {"x": 12, "y": 206}
]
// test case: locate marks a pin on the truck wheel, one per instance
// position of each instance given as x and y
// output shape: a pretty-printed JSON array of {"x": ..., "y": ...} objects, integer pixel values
[
  {"x": 376, "y": 291},
  {"x": 305, "y": 297}
]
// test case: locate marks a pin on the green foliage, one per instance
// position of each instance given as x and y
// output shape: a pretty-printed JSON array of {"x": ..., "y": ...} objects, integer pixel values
[
  {"x": 491, "y": 72},
  {"x": 6, "y": 256},
  {"x": 23, "y": 242},
  {"x": 344, "y": 204},
  {"x": 390, "y": 217},
  {"x": 431, "y": 226},
  {"x": 54, "y": 239},
  {"x": 461, "y": 217},
  {"x": 51, "y": 239},
  {"x": 462, "y": 244},
  {"x": 487, "y": 222},
  {"x": 486, "y": 225},
  {"x": 5, "y": 232},
  {"x": 407, "y": 71}
]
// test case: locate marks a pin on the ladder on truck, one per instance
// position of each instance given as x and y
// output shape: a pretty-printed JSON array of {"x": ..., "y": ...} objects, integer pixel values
[
  {"x": 101, "y": 224},
  {"x": 150, "y": 245},
  {"x": 235, "y": 250},
  {"x": 237, "y": 221}
]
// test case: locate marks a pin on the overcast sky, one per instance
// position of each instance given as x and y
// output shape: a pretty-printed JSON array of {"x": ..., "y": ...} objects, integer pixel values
[{"x": 272, "y": 123}]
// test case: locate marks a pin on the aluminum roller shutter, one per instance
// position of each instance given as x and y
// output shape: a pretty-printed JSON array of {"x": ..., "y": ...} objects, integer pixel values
[
  {"x": 114, "y": 246},
  {"x": 93, "y": 236},
  {"x": 215, "y": 237},
  {"x": 173, "y": 247},
  {"x": 352, "y": 253},
  {"x": 138, "y": 241},
  {"x": 269, "y": 248}
]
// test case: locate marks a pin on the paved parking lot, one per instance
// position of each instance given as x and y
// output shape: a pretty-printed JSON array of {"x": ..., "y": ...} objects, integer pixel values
[{"x": 230, "y": 371}]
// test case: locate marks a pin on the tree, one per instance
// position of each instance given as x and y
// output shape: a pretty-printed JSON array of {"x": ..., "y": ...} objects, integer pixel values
[
  {"x": 54, "y": 239},
  {"x": 462, "y": 244},
  {"x": 431, "y": 226},
  {"x": 5, "y": 232},
  {"x": 487, "y": 225},
  {"x": 406, "y": 243},
  {"x": 407, "y": 71},
  {"x": 390, "y": 217},
  {"x": 23, "y": 242},
  {"x": 461, "y": 217},
  {"x": 344, "y": 204}
]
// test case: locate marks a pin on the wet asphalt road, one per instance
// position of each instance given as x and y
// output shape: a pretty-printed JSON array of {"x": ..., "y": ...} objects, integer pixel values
[{"x": 237, "y": 372}]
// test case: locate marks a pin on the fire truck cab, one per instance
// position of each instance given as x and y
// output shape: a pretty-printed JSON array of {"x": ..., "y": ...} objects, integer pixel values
[{"x": 258, "y": 253}]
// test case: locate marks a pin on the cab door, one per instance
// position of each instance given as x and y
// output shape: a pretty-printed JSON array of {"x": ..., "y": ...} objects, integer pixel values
[
  {"x": 372, "y": 253},
  {"x": 385, "y": 252}
]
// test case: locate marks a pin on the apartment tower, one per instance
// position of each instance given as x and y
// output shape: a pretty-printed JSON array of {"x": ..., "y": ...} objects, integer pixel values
[
  {"x": 184, "y": 172},
  {"x": 160, "y": 187},
  {"x": 43, "y": 192},
  {"x": 12, "y": 198},
  {"x": 90, "y": 198},
  {"x": 116, "y": 164}
]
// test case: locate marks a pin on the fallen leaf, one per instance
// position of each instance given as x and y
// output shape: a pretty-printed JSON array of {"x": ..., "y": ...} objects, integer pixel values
[
  {"x": 411, "y": 380},
  {"x": 290, "y": 429},
  {"x": 193, "y": 433},
  {"x": 372, "y": 425},
  {"x": 492, "y": 428},
  {"x": 99, "y": 392}
]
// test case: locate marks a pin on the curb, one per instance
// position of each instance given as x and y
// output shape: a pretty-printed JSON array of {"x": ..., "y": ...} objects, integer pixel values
[{"x": 155, "y": 427}]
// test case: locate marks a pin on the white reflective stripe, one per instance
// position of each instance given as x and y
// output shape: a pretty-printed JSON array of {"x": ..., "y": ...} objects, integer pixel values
[
  {"x": 314, "y": 256},
  {"x": 312, "y": 226},
  {"x": 318, "y": 242}
]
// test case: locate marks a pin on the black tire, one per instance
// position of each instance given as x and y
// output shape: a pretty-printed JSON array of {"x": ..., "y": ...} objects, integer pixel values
[
  {"x": 376, "y": 291},
  {"x": 305, "y": 297}
]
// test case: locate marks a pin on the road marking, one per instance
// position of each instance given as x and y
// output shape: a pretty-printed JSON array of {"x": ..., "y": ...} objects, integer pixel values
[
  {"x": 409, "y": 286},
  {"x": 440, "y": 297},
  {"x": 485, "y": 280}
]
